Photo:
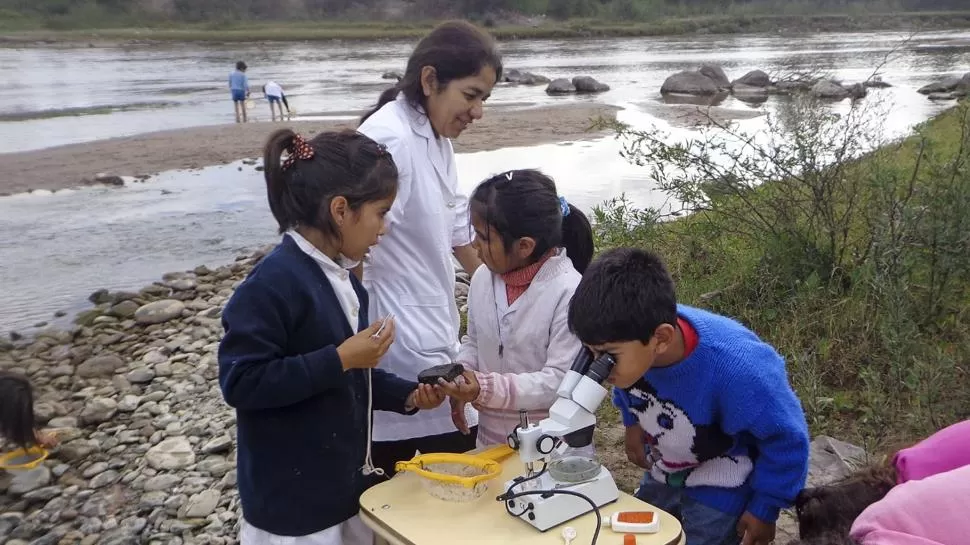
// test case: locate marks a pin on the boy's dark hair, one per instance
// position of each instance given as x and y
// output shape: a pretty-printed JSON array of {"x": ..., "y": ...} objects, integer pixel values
[
  {"x": 344, "y": 163},
  {"x": 241, "y": 66},
  {"x": 832, "y": 509},
  {"x": 16, "y": 409},
  {"x": 625, "y": 295},
  {"x": 524, "y": 203},
  {"x": 455, "y": 49}
]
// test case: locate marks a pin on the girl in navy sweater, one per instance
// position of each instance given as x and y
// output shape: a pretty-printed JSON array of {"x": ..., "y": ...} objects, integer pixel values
[{"x": 297, "y": 360}]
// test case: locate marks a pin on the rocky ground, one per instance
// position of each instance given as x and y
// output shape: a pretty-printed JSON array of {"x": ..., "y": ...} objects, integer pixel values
[{"x": 147, "y": 444}]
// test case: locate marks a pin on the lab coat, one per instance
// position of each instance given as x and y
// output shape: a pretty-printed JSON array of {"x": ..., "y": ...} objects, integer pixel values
[{"x": 410, "y": 273}]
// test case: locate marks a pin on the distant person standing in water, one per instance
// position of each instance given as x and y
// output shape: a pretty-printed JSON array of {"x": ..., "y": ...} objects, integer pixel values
[
  {"x": 274, "y": 94},
  {"x": 239, "y": 87}
]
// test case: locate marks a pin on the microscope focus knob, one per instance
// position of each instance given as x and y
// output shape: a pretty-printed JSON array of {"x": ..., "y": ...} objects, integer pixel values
[
  {"x": 513, "y": 441},
  {"x": 546, "y": 444}
]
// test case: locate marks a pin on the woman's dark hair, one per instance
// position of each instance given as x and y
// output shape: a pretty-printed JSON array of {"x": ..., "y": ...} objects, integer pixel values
[
  {"x": 241, "y": 66},
  {"x": 16, "y": 409},
  {"x": 455, "y": 49},
  {"x": 344, "y": 163},
  {"x": 831, "y": 509},
  {"x": 524, "y": 203}
]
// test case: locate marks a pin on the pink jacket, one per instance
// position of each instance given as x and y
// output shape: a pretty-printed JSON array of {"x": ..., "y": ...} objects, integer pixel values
[
  {"x": 946, "y": 449},
  {"x": 932, "y": 511}
]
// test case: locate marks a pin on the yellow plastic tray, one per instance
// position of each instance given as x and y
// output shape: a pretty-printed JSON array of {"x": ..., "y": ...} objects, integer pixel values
[{"x": 36, "y": 452}]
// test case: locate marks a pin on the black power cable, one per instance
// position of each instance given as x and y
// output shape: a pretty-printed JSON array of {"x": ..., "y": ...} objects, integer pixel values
[{"x": 509, "y": 495}]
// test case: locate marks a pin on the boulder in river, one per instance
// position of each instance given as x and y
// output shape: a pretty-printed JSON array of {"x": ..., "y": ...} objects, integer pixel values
[
  {"x": 588, "y": 85},
  {"x": 561, "y": 86},
  {"x": 716, "y": 74},
  {"x": 946, "y": 85},
  {"x": 689, "y": 83},
  {"x": 829, "y": 89},
  {"x": 392, "y": 75},
  {"x": 521, "y": 77},
  {"x": 755, "y": 78}
]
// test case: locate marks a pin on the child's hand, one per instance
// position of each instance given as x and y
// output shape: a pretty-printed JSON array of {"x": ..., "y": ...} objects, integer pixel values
[
  {"x": 754, "y": 531},
  {"x": 458, "y": 416},
  {"x": 363, "y": 350},
  {"x": 635, "y": 444},
  {"x": 465, "y": 389},
  {"x": 425, "y": 397}
]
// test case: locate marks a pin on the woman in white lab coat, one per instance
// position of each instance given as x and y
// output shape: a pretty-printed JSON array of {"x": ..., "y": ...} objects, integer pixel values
[{"x": 450, "y": 74}]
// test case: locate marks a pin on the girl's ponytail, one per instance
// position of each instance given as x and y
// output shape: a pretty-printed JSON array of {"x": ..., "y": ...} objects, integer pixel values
[
  {"x": 577, "y": 238},
  {"x": 276, "y": 190}
]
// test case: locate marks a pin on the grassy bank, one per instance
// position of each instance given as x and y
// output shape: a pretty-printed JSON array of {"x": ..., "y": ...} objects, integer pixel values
[
  {"x": 20, "y": 29},
  {"x": 857, "y": 270}
]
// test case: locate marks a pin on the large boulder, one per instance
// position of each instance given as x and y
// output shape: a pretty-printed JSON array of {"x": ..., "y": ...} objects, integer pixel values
[
  {"x": 689, "y": 83},
  {"x": 716, "y": 74},
  {"x": 588, "y": 85},
  {"x": 561, "y": 86},
  {"x": 830, "y": 90},
  {"x": 521, "y": 77},
  {"x": 755, "y": 78},
  {"x": 943, "y": 86},
  {"x": 750, "y": 94}
]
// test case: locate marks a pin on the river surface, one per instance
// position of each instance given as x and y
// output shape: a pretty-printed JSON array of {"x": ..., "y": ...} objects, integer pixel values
[{"x": 57, "y": 248}]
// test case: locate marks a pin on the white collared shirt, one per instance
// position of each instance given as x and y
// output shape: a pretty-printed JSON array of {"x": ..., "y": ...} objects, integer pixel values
[
  {"x": 337, "y": 274},
  {"x": 411, "y": 273}
]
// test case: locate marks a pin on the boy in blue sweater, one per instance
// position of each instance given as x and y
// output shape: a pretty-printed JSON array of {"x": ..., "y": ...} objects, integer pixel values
[{"x": 707, "y": 406}]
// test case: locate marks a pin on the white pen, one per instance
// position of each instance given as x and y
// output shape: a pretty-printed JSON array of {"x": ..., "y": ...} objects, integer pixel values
[{"x": 383, "y": 325}]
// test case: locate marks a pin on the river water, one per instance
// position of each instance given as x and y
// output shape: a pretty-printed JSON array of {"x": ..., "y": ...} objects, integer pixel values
[{"x": 57, "y": 248}]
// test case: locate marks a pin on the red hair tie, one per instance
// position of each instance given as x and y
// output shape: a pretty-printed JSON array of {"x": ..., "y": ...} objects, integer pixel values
[{"x": 298, "y": 150}]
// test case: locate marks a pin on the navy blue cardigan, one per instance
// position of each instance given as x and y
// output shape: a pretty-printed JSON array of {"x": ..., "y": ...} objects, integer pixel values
[{"x": 301, "y": 419}]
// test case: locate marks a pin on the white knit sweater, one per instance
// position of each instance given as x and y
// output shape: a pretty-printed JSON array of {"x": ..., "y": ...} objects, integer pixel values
[{"x": 536, "y": 345}]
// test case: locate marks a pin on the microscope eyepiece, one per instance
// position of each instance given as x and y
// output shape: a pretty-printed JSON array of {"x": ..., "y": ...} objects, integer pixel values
[{"x": 601, "y": 368}]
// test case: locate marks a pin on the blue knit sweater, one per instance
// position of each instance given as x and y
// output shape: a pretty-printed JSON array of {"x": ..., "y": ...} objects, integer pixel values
[
  {"x": 724, "y": 423},
  {"x": 301, "y": 419}
]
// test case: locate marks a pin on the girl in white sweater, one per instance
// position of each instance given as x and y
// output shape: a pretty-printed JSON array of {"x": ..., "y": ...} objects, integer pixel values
[{"x": 534, "y": 246}]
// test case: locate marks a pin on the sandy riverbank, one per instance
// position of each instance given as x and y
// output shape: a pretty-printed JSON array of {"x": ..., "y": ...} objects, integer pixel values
[{"x": 69, "y": 166}]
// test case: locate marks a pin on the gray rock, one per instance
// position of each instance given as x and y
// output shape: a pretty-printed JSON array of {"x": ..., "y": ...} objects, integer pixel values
[
  {"x": 140, "y": 375},
  {"x": 588, "y": 85},
  {"x": 561, "y": 86},
  {"x": 129, "y": 403},
  {"x": 689, "y": 83},
  {"x": 716, "y": 74},
  {"x": 831, "y": 460},
  {"x": 105, "y": 479},
  {"x": 857, "y": 91},
  {"x": 829, "y": 89},
  {"x": 102, "y": 366},
  {"x": 755, "y": 78},
  {"x": 182, "y": 284},
  {"x": 124, "y": 309},
  {"x": 171, "y": 454},
  {"x": 876, "y": 83},
  {"x": 943, "y": 86},
  {"x": 202, "y": 504},
  {"x": 942, "y": 96},
  {"x": 218, "y": 444},
  {"x": 392, "y": 75},
  {"x": 98, "y": 410},
  {"x": 152, "y": 500},
  {"x": 159, "y": 311},
  {"x": 94, "y": 469},
  {"x": 154, "y": 357},
  {"x": 161, "y": 483},
  {"x": 747, "y": 93},
  {"x": 46, "y": 493},
  {"x": 100, "y": 297},
  {"x": 29, "y": 480},
  {"x": 521, "y": 77}
]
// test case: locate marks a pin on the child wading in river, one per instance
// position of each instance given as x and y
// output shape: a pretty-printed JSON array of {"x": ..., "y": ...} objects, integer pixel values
[
  {"x": 298, "y": 354},
  {"x": 534, "y": 246}
]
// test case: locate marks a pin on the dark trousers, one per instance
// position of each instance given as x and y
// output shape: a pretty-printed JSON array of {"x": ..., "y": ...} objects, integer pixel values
[{"x": 386, "y": 453}]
